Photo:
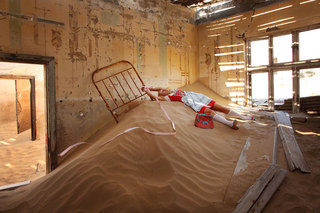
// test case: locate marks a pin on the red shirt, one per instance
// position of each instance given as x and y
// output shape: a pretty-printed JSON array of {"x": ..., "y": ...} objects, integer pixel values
[{"x": 176, "y": 95}]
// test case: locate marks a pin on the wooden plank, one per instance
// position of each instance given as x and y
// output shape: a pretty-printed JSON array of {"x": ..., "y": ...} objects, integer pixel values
[
  {"x": 270, "y": 76},
  {"x": 275, "y": 145},
  {"x": 292, "y": 150},
  {"x": 15, "y": 185},
  {"x": 33, "y": 109},
  {"x": 23, "y": 111},
  {"x": 51, "y": 116},
  {"x": 269, "y": 191},
  {"x": 270, "y": 90},
  {"x": 242, "y": 160},
  {"x": 295, "y": 74},
  {"x": 14, "y": 77},
  {"x": 253, "y": 193}
]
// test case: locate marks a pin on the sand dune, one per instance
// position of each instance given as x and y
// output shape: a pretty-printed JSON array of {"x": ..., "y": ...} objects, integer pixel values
[{"x": 192, "y": 171}]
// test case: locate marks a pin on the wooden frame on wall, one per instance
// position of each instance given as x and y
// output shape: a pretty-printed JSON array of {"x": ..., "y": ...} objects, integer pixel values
[{"x": 49, "y": 63}]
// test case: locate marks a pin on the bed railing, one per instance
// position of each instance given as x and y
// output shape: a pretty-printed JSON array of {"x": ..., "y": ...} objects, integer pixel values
[{"x": 118, "y": 84}]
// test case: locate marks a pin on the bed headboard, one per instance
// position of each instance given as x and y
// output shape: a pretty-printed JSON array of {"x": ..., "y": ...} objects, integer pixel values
[{"x": 118, "y": 84}]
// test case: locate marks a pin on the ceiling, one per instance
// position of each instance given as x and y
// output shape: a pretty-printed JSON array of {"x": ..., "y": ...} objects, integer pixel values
[
  {"x": 209, "y": 10},
  {"x": 195, "y": 3}
]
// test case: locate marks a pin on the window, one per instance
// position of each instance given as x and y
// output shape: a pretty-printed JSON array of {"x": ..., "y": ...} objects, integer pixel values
[
  {"x": 259, "y": 52},
  {"x": 282, "y": 86},
  {"x": 309, "y": 77},
  {"x": 309, "y": 44},
  {"x": 260, "y": 88},
  {"x": 297, "y": 52},
  {"x": 282, "y": 51}
]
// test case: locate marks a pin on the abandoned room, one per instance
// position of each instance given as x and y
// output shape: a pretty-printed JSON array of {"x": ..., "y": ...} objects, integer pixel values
[{"x": 160, "y": 106}]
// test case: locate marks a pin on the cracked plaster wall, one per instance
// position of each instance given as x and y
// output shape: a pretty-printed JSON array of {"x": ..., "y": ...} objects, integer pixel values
[{"x": 159, "y": 38}]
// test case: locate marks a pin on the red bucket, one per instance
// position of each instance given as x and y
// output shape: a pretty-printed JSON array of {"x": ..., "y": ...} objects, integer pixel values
[{"x": 204, "y": 121}]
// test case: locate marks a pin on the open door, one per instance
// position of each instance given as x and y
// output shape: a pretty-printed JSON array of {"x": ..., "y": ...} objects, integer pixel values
[
  {"x": 25, "y": 106},
  {"x": 23, "y": 109}
]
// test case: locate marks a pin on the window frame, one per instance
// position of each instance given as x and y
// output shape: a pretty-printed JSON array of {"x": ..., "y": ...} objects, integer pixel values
[{"x": 295, "y": 66}]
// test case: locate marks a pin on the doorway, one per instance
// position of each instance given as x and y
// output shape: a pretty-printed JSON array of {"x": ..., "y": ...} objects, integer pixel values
[
  {"x": 22, "y": 122},
  {"x": 27, "y": 117}
]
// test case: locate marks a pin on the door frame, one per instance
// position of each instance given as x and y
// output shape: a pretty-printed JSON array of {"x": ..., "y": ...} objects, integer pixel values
[{"x": 49, "y": 75}]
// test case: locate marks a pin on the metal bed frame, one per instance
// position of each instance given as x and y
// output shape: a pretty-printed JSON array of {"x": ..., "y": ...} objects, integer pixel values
[{"x": 113, "y": 81}]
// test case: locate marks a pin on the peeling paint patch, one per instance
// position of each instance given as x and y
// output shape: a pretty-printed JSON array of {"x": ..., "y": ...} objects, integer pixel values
[
  {"x": 147, "y": 3},
  {"x": 14, "y": 6},
  {"x": 90, "y": 47},
  {"x": 191, "y": 21},
  {"x": 77, "y": 56},
  {"x": 140, "y": 55},
  {"x": 15, "y": 33},
  {"x": 56, "y": 40},
  {"x": 36, "y": 32},
  {"x": 111, "y": 1},
  {"x": 110, "y": 19},
  {"x": 208, "y": 59},
  {"x": 128, "y": 17},
  {"x": 162, "y": 48},
  {"x": 15, "y": 24}
]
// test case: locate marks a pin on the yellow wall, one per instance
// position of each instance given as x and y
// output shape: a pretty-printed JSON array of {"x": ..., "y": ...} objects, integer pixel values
[
  {"x": 159, "y": 38},
  {"x": 229, "y": 31}
]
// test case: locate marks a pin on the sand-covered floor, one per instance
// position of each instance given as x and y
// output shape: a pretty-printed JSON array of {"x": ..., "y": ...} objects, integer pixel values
[
  {"x": 21, "y": 158},
  {"x": 193, "y": 171}
]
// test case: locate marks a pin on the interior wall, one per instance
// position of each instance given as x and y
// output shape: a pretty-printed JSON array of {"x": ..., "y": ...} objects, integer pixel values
[
  {"x": 159, "y": 38},
  {"x": 7, "y": 100},
  {"x": 230, "y": 82}
]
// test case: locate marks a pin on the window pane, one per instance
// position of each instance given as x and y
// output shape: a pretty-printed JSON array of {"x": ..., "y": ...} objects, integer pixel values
[
  {"x": 282, "y": 86},
  {"x": 260, "y": 88},
  {"x": 309, "y": 82},
  {"x": 309, "y": 44},
  {"x": 282, "y": 51},
  {"x": 259, "y": 52}
]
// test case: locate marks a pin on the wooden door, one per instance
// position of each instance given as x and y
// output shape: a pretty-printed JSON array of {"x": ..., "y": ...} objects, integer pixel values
[{"x": 23, "y": 108}]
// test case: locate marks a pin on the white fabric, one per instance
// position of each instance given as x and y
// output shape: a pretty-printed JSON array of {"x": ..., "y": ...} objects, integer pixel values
[
  {"x": 167, "y": 98},
  {"x": 234, "y": 113},
  {"x": 223, "y": 120},
  {"x": 195, "y": 100}
]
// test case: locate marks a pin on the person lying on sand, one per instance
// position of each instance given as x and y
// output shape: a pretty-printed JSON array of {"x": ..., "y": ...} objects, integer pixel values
[{"x": 198, "y": 102}]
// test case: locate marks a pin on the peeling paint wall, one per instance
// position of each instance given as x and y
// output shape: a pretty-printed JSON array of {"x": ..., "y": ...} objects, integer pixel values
[
  {"x": 159, "y": 38},
  {"x": 219, "y": 38}
]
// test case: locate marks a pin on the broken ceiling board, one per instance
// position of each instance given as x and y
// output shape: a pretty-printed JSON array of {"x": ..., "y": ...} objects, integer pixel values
[
  {"x": 186, "y": 2},
  {"x": 229, "y": 8},
  {"x": 262, "y": 190},
  {"x": 292, "y": 150}
]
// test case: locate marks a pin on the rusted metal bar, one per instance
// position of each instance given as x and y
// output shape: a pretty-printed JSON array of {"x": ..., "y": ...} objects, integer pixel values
[
  {"x": 128, "y": 84},
  {"x": 113, "y": 75},
  {"x": 134, "y": 83},
  {"x": 109, "y": 94},
  {"x": 116, "y": 90},
  {"x": 122, "y": 88}
]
